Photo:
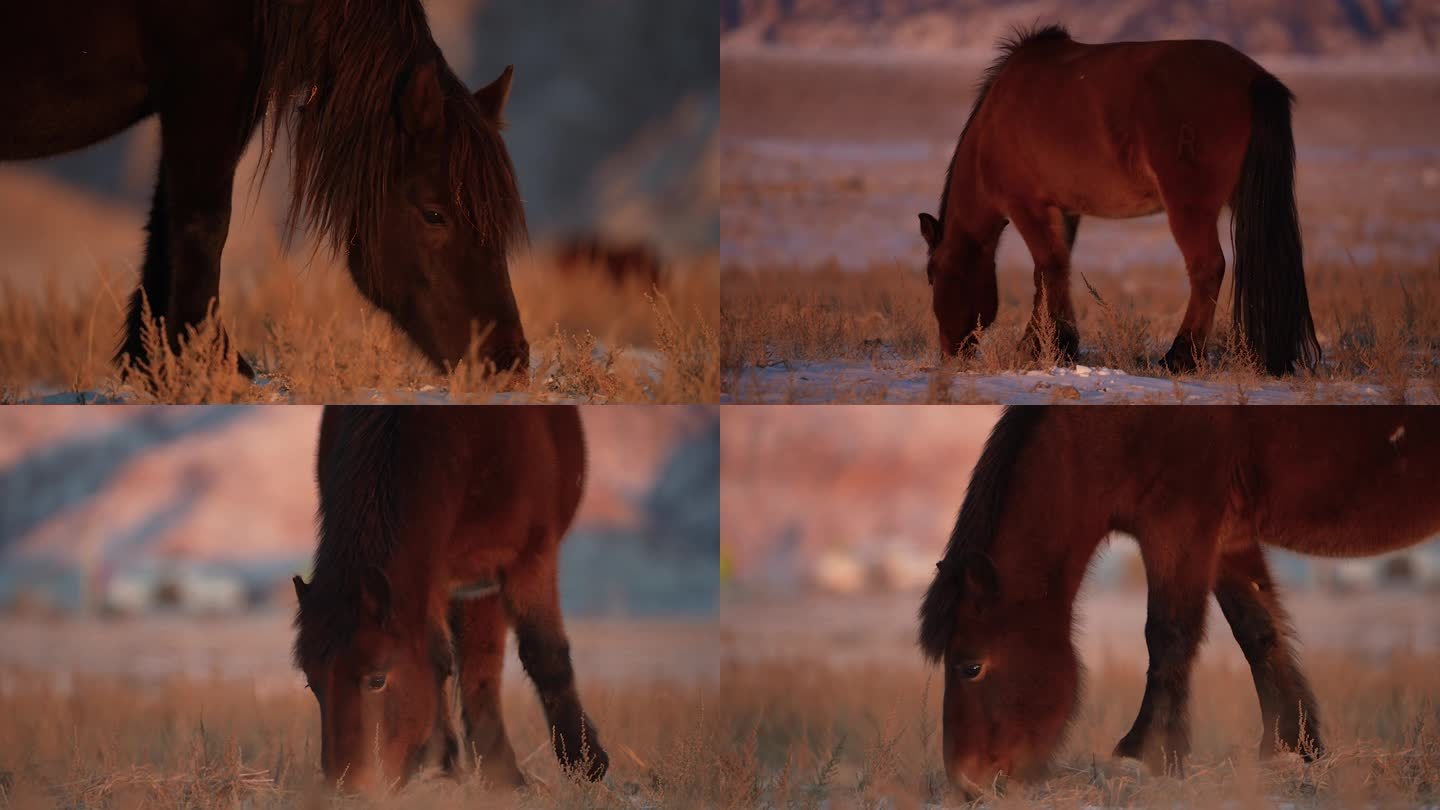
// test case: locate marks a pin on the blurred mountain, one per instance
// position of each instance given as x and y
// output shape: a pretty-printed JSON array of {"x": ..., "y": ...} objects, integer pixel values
[
  {"x": 682, "y": 509},
  {"x": 801, "y": 485},
  {"x": 1300, "y": 27},
  {"x": 89, "y": 497}
]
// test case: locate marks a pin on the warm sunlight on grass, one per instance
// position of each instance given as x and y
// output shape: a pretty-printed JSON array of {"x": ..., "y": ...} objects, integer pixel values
[{"x": 313, "y": 337}]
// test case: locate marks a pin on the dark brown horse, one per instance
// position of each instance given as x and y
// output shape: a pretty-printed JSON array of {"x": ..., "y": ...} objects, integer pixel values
[
  {"x": 620, "y": 261},
  {"x": 439, "y": 527},
  {"x": 394, "y": 160},
  {"x": 1062, "y": 129},
  {"x": 1201, "y": 490}
]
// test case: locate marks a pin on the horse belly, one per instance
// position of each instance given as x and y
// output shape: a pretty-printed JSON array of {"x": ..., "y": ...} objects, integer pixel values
[
  {"x": 74, "y": 75},
  {"x": 1351, "y": 484},
  {"x": 1118, "y": 202}
]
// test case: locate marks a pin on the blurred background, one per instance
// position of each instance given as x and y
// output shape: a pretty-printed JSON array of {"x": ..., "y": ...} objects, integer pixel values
[
  {"x": 833, "y": 518},
  {"x": 155, "y": 540},
  {"x": 611, "y": 123}
]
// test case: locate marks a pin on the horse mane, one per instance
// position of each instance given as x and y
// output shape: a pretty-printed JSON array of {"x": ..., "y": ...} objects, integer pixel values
[
  {"x": 333, "y": 74},
  {"x": 1017, "y": 38},
  {"x": 976, "y": 525},
  {"x": 358, "y": 529}
]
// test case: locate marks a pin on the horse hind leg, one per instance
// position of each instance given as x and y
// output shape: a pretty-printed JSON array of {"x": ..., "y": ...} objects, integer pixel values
[
  {"x": 531, "y": 593},
  {"x": 479, "y": 625},
  {"x": 1072, "y": 229},
  {"x": 1195, "y": 233},
  {"x": 1251, "y": 605}
]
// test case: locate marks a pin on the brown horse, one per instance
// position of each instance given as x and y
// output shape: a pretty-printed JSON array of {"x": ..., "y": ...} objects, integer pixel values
[
  {"x": 1201, "y": 490},
  {"x": 1062, "y": 129},
  {"x": 439, "y": 527},
  {"x": 619, "y": 261},
  {"x": 393, "y": 159}
]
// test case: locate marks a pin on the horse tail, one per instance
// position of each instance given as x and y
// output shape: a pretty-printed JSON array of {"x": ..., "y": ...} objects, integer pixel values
[
  {"x": 154, "y": 276},
  {"x": 1271, "y": 307},
  {"x": 975, "y": 527}
]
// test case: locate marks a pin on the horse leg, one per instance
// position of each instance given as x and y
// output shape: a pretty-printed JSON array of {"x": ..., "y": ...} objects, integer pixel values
[
  {"x": 1072, "y": 229},
  {"x": 532, "y": 596},
  {"x": 1047, "y": 234},
  {"x": 1179, "y": 578},
  {"x": 190, "y": 220},
  {"x": 480, "y": 626},
  {"x": 154, "y": 288},
  {"x": 1251, "y": 605},
  {"x": 1194, "y": 230}
]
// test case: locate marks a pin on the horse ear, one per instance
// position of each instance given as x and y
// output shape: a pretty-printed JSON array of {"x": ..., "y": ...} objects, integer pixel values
[
  {"x": 375, "y": 595},
  {"x": 930, "y": 229},
  {"x": 980, "y": 577},
  {"x": 423, "y": 108},
  {"x": 300, "y": 588},
  {"x": 492, "y": 97}
]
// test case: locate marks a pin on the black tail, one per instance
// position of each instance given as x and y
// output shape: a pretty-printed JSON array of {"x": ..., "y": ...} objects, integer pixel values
[
  {"x": 154, "y": 276},
  {"x": 1271, "y": 308}
]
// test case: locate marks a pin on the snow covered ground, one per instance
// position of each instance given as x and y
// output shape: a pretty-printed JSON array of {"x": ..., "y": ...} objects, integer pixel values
[{"x": 845, "y": 381}]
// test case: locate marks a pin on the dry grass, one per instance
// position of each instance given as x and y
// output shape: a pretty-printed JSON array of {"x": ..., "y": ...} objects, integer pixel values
[
  {"x": 802, "y": 734},
  {"x": 212, "y": 744},
  {"x": 317, "y": 340},
  {"x": 1380, "y": 328}
]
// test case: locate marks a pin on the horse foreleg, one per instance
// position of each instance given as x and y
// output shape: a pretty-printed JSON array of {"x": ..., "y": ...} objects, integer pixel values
[
  {"x": 532, "y": 596},
  {"x": 1048, "y": 234},
  {"x": 1179, "y": 579},
  {"x": 1195, "y": 234},
  {"x": 1251, "y": 605},
  {"x": 479, "y": 625},
  {"x": 198, "y": 175}
]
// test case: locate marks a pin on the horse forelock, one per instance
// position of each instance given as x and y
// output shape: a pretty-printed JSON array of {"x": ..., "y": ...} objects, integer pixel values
[
  {"x": 1007, "y": 46},
  {"x": 976, "y": 525},
  {"x": 333, "y": 73}
]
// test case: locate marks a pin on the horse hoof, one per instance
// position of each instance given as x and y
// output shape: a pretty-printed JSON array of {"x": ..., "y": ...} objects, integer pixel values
[
  {"x": 1128, "y": 748},
  {"x": 1178, "y": 361},
  {"x": 598, "y": 765},
  {"x": 243, "y": 366}
]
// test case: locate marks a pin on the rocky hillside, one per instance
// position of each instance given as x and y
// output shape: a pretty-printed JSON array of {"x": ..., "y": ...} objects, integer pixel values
[{"x": 1397, "y": 28}]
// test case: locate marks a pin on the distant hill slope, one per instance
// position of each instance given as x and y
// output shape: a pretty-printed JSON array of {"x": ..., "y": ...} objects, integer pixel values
[{"x": 1403, "y": 28}]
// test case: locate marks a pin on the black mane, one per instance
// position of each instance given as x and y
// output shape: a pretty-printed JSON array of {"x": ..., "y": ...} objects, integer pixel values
[
  {"x": 976, "y": 525},
  {"x": 358, "y": 530}
]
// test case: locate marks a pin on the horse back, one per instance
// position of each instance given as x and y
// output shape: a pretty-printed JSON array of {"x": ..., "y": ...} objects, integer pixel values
[{"x": 1097, "y": 128}]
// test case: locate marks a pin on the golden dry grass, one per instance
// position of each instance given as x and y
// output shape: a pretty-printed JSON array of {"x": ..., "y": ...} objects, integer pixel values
[
  {"x": 216, "y": 743},
  {"x": 1381, "y": 328},
  {"x": 311, "y": 333},
  {"x": 805, "y": 734}
]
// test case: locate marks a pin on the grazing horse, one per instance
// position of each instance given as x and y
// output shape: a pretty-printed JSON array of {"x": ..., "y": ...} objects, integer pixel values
[
  {"x": 619, "y": 260},
  {"x": 394, "y": 161},
  {"x": 1062, "y": 129},
  {"x": 1202, "y": 491},
  {"x": 439, "y": 527}
]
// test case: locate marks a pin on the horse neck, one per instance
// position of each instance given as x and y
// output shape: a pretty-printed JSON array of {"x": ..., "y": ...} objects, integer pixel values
[
  {"x": 1053, "y": 521},
  {"x": 969, "y": 213},
  {"x": 415, "y": 593}
]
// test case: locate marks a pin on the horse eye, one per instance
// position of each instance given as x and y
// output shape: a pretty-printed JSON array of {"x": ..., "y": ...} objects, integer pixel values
[
  {"x": 970, "y": 670},
  {"x": 376, "y": 683},
  {"x": 433, "y": 217}
]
